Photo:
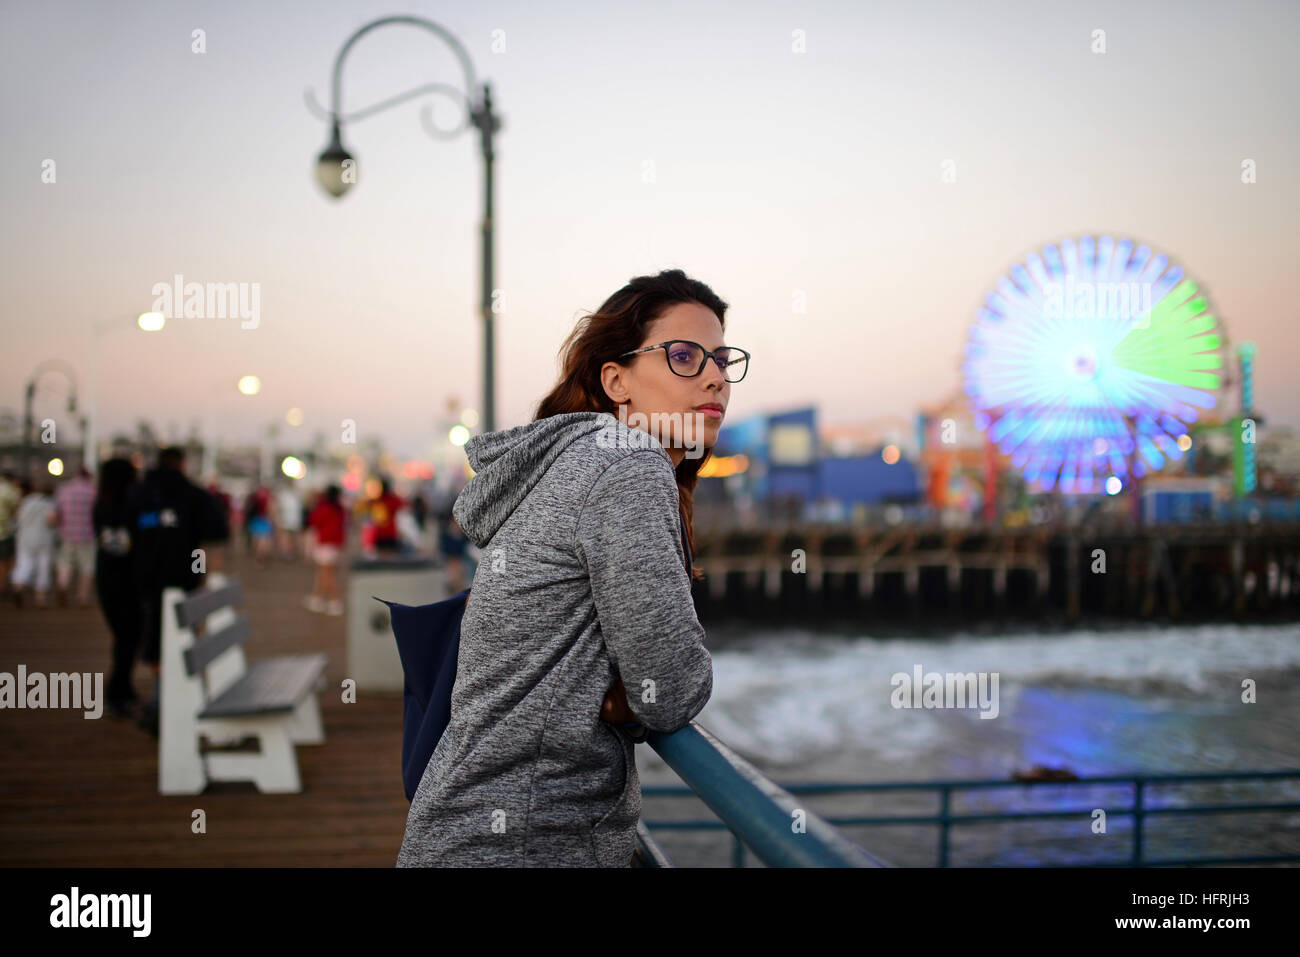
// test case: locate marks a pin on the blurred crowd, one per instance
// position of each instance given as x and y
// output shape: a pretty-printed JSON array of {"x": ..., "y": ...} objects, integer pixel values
[{"x": 129, "y": 536}]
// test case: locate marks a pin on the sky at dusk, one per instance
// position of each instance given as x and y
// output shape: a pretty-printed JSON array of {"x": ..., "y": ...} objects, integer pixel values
[{"x": 797, "y": 153}]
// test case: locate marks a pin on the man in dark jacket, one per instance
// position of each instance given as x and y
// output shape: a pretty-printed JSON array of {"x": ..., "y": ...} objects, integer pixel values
[{"x": 171, "y": 517}]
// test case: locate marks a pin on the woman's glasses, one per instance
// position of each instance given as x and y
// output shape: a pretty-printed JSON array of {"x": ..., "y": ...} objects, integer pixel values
[{"x": 687, "y": 358}]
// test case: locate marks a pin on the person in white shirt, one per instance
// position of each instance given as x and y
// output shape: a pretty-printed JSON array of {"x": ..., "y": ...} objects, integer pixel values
[
  {"x": 34, "y": 524},
  {"x": 10, "y": 496},
  {"x": 288, "y": 514}
]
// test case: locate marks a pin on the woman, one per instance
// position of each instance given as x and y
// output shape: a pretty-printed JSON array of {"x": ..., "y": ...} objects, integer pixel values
[
  {"x": 384, "y": 509},
  {"x": 35, "y": 521},
  {"x": 328, "y": 521},
  {"x": 114, "y": 582},
  {"x": 582, "y": 589}
]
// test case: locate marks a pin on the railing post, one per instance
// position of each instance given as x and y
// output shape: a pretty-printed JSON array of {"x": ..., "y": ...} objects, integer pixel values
[
  {"x": 1138, "y": 812},
  {"x": 737, "y": 851},
  {"x": 945, "y": 794},
  {"x": 780, "y": 829}
]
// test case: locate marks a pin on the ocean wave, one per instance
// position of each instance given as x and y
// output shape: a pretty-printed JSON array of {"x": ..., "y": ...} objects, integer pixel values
[{"x": 786, "y": 697}]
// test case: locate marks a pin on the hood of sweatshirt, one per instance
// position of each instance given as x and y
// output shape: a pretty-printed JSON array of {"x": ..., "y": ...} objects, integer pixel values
[{"x": 508, "y": 463}]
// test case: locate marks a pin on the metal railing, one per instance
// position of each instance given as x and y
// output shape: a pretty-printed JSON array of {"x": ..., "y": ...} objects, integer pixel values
[
  {"x": 759, "y": 813},
  {"x": 1139, "y": 810}
]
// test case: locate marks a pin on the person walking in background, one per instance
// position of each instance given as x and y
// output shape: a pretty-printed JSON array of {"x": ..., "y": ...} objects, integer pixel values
[
  {"x": 115, "y": 581},
  {"x": 75, "y": 500},
  {"x": 420, "y": 515},
  {"x": 383, "y": 511},
  {"x": 34, "y": 541},
  {"x": 10, "y": 496},
  {"x": 288, "y": 508},
  {"x": 452, "y": 545},
  {"x": 171, "y": 517},
  {"x": 257, "y": 520},
  {"x": 328, "y": 522},
  {"x": 216, "y": 560}
]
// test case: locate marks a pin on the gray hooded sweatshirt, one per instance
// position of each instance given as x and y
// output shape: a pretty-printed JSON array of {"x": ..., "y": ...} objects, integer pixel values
[{"x": 582, "y": 581}]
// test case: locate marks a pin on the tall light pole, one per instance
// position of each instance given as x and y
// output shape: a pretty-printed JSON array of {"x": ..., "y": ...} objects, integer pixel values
[
  {"x": 249, "y": 385},
  {"x": 336, "y": 168},
  {"x": 148, "y": 322},
  {"x": 29, "y": 402}
]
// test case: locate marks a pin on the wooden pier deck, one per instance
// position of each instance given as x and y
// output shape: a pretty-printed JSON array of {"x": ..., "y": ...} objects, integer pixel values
[{"x": 84, "y": 793}]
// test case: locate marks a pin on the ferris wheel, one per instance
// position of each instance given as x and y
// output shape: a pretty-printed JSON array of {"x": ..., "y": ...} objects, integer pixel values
[{"x": 1089, "y": 361}]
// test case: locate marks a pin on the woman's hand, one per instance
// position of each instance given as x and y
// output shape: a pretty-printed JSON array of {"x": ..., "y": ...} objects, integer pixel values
[{"x": 614, "y": 709}]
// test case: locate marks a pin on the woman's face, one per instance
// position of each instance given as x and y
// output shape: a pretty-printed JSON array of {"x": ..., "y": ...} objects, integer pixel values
[{"x": 669, "y": 404}]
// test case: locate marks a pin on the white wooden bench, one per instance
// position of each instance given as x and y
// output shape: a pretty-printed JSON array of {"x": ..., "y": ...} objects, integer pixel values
[{"x": 209, "y": 691}]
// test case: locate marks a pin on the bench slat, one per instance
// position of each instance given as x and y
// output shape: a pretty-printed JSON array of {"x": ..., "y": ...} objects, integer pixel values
[
  {"x": 205, "y": 601},
  {"x": 271, "y": 686},
  {"x": 209, "y": 647}
]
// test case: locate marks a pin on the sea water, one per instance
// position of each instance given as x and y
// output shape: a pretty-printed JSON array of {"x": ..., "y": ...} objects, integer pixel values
[{"x": 808, "y": 706}]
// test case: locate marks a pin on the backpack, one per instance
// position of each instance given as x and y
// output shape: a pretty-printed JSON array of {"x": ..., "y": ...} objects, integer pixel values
[{"x": 428, "y": 641}]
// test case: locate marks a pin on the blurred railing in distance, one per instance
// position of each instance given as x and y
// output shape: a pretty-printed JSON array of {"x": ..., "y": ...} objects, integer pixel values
[
  {"x": 720, "y": 518},
  {"x": 779, "y": 829},
  {"x": 1140, "y": 808}
]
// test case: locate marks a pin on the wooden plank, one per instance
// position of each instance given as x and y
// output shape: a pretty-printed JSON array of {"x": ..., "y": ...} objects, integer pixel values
[
  {"x": 199, "y": 604},
  {"x": 270, "y": 686},
  {"x": 209, "y": 648}
]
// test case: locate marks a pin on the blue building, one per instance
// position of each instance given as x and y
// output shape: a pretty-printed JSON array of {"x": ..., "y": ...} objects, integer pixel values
[{"x": 776, "y": 463}]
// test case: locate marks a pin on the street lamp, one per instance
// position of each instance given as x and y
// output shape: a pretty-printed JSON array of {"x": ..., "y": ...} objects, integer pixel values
[
  {"x": 147, "y": 322},
  {"x": 336, "y": 168},
  {"x": 29, "y": 400},
  {"x": 333, "y": 169},
  {"x": 269, "y": 433},
  {"x": 249, "y": 385}
]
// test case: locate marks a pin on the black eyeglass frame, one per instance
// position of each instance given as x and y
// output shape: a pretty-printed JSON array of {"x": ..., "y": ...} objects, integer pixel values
[{"x": 707, "y": 356}]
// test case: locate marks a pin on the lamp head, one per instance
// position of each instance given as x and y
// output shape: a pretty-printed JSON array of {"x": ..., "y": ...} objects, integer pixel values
[{"x": 335, "y": 168}]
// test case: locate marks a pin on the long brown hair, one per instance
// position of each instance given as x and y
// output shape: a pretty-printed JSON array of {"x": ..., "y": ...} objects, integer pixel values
[{"x": 619, "y": 326}]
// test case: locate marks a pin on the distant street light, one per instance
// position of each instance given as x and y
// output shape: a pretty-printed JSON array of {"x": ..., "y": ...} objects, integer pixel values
[
  {"x": 249, "y": 385},
  {"x": 49, "y": 365},
  {"x": 268, "y": 435},
  {"x": 336, "y": 169},
  {"x": 147, "y": 322}
]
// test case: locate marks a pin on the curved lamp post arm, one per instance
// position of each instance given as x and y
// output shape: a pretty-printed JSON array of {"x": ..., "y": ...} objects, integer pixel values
[
  {"x": 336, "y": 84},
  {"x": 471, "y": 82},
  {"x": 454, "y": 92},
  {"x": 60, "y": 366}
]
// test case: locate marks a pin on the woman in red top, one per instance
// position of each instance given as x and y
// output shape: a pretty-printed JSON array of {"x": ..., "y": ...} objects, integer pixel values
[
  {"x": 328, "y": 520},
  {"x": 383, "y": 515}
]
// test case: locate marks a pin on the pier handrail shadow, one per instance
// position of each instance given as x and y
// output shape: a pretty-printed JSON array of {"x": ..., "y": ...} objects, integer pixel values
[{"x": 781, "y": 830}]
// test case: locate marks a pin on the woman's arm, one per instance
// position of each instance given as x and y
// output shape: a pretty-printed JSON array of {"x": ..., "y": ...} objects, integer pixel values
[{"x": 629, "y": 536}]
